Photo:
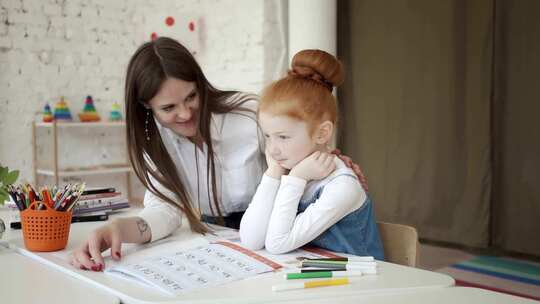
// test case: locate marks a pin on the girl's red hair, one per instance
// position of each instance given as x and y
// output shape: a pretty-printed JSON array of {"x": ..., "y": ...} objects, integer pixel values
[{"x": 306, "y": 92}]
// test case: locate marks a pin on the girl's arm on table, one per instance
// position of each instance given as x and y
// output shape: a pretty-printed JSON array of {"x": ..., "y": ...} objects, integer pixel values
[
  {"x": 255, "y": 221},
  {"x": 288, "y": 231}
]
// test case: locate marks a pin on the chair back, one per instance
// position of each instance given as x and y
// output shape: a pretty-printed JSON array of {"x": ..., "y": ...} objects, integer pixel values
[{"x": 400, "y": 243}]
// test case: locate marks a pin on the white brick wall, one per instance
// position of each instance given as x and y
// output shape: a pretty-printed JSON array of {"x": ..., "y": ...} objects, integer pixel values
[{"x": 74, "y": 48}]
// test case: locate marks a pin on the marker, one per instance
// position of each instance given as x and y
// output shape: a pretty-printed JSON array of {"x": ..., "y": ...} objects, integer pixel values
[
  {"x": 349, "y": 266},
  {"x": 373, "y": 263},
  {"x": 345, "y": 259},
  {"x": 372, "y": 270},
  {"x": 311, "y": 284},
  {"x": 305, "y": 270},
  {"x": 322, "y": 274}
]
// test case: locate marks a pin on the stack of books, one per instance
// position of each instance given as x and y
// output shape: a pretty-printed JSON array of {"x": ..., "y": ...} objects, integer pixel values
[
  {"x": 93, "y": 205},
  {"x": 99, "y": 201}
]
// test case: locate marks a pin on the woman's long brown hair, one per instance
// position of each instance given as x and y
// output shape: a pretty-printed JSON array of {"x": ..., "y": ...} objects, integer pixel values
[{"x": 149, "y": 67}]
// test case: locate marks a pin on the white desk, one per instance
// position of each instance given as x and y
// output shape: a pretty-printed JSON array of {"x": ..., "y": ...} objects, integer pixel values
[
  {"x": 23, "y": 280},
  {"x": 462, "y": 295},
  {"x": 392, "y": 278}
]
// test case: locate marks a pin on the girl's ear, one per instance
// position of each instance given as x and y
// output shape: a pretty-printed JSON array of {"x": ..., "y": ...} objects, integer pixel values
[{"x": 324, "y": 133}]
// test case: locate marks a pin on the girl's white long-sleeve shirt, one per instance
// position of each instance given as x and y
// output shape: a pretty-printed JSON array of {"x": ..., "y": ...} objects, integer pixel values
[
  {"x": 239, "y": 162},
  {"x": 271, "y": 219}
]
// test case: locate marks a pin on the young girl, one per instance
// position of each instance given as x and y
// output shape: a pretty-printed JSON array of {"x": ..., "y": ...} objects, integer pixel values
[{"x": 307, "y": 195}]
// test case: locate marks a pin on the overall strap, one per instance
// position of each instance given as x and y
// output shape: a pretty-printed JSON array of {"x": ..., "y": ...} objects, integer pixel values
[{"x": 336, "y": 174}]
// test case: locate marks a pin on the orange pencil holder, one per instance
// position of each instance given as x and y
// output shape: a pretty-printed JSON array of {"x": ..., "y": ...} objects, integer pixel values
[{"x": 45, "y": 230}]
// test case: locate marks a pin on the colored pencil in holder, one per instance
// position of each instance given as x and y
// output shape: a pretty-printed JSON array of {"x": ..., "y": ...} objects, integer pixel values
[{"x": 15, "y": 197}]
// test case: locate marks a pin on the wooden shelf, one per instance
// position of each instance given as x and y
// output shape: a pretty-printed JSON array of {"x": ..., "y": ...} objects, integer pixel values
[
  {"x": 85, "y": 171},
  {"x": 80, "y": 124},
  {"x": 56, "y": 173}
]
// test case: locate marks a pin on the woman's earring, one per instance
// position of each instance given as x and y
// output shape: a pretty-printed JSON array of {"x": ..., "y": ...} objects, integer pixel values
[{"x": 146, "y": 125}]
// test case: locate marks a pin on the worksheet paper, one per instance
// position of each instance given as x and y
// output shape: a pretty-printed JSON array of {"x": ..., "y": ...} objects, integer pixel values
[
  {"x": 204, "y": 266},
  {"x": 289, "y": 261}
]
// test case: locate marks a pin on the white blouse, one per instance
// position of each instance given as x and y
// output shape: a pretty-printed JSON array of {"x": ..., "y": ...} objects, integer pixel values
[{"x": 239, "y": 165}]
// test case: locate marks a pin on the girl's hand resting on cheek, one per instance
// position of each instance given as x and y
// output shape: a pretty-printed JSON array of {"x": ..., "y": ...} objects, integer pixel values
[
  {"x": 274, "y": 169},
  {"x": 314, "y": 167}
]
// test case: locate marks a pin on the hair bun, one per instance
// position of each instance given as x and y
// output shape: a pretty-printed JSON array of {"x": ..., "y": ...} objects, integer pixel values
[{"x": 319, "y": 66}]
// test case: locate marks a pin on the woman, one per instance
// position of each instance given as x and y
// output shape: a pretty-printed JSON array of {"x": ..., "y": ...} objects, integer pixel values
[{"x": 196, "y": 149}]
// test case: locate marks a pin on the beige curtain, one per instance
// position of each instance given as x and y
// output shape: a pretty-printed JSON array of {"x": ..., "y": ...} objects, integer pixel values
[
  {"x": 441, "y": 108},
  {"x": 516, "y": 195},
  {"x": 415, "y": 111}
]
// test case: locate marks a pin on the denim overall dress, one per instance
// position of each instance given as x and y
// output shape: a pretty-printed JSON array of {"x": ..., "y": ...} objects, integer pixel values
[{"x": 356, "y": 233}]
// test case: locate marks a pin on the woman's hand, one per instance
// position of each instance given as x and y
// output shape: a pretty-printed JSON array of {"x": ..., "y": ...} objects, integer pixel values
[
  {"x": 355, "y": 167},
  {"x": 316, "y": 166},
  {"x": 88, "y": 255},
  {"x": 274, "y": 169},
  {"x": 123, "y": 230}
]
